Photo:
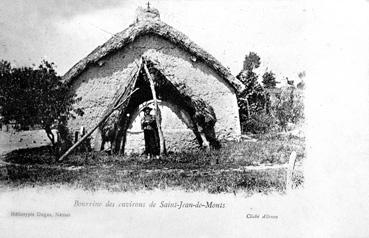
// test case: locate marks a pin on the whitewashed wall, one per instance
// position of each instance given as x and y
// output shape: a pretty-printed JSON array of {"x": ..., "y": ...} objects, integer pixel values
[{"x": 98, "y": 84}]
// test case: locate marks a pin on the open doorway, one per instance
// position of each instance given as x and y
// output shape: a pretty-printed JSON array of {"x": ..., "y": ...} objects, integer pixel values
[{"x": 185, "y": 111}]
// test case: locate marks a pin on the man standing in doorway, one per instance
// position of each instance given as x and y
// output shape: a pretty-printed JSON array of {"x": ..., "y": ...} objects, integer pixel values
[{"x": 148, "y": 125}]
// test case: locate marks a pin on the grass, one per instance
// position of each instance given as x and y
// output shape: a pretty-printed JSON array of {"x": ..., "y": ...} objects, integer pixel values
[{"x": 212, "y": 171}]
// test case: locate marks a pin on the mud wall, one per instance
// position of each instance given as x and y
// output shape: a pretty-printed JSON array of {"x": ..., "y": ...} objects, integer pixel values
[{"x": 98, "y": 84}]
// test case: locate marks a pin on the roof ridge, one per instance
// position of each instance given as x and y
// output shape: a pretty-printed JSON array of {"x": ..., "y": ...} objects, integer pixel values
[{"x": 157, "y": 27}]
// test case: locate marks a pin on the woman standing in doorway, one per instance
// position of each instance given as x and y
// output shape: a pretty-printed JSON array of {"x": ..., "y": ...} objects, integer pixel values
[{"x": 148, "y": 125}]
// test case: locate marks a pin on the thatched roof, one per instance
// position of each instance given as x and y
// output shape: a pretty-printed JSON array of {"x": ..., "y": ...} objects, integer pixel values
[{"x": 151, "y": 26}]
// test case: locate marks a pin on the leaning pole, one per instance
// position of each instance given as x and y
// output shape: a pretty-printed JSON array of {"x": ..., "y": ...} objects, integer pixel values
[
  {"x": 93, "y": 129},
  {"x": 157, "y": 113}
]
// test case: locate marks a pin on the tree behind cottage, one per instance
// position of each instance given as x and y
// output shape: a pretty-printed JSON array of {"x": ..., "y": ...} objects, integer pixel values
[
  {"x": 252, "y": 101},
  {"x": 252, "y": 98},
  {"x": 269, "y": 80},
  {"x": 265, "y": 108},
  {"x": 36, "y": 96}
]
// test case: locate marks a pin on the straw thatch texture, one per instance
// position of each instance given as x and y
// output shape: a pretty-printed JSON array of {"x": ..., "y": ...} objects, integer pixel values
[{"x": 159, "y": 28}]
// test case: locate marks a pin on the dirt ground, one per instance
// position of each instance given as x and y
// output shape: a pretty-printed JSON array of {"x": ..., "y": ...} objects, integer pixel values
[{"x": 10, "y": 141}]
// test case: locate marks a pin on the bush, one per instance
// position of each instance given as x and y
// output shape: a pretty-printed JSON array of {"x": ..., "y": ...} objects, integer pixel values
[
  {"x": 267, "y": 108},
  {"x": 259, "y": 123},
  {"x": 283, "y": 107},
  {"x": 287, "y": 107},
  {"x": 251, "y": 101}
]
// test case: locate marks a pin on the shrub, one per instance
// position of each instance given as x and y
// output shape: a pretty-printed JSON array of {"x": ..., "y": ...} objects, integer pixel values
[
  {"x": 287, "y": 107},
  {"x": 259, "y": 123}
]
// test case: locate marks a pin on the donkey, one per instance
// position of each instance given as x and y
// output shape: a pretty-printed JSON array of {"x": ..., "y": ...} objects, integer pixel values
[
  {"x": 205, "y": 120},
  {"x": 109, "y": 130}
]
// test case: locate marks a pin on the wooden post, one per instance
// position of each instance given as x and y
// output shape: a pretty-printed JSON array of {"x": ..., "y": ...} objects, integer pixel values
[
  {"x": 95, "y": 127},
  {"x": 290, "y": 169},
  {"x": 157, "y": 112}
]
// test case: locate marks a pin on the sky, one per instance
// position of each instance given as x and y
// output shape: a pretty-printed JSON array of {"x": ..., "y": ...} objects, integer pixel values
[{"x": 65, "y": 31}]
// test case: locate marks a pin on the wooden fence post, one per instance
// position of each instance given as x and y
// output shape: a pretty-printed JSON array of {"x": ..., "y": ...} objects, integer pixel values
[{"x": 290, "y": 169}]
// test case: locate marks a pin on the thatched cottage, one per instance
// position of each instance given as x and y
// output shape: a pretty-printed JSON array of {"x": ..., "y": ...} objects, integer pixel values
[{"x": 195, "y": 92}]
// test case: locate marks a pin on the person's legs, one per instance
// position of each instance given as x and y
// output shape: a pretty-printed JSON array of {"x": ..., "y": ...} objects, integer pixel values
[
  {"x": 152, "y": 143},
  {"x": 147, "y": 144},
  {"x": 156, "y": 142}
]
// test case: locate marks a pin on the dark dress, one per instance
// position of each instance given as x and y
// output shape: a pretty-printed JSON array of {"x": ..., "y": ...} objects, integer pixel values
[{"x": 151, "y": 135}]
